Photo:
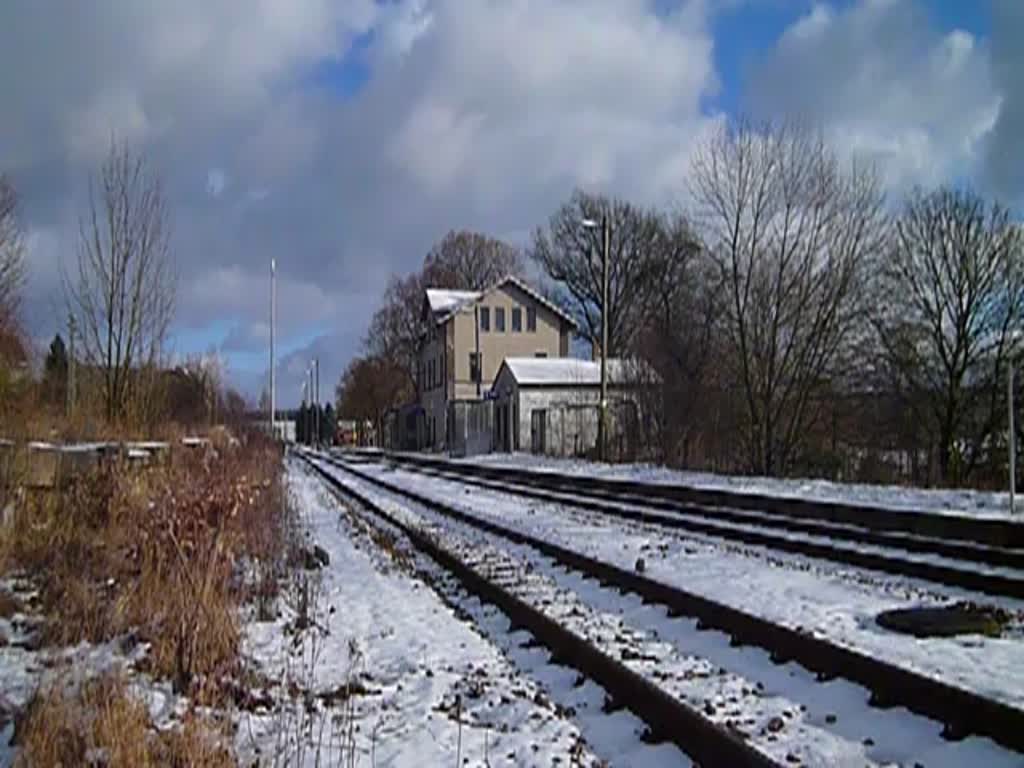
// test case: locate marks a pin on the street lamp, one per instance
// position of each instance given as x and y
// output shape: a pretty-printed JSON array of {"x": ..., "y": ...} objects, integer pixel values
[
  {"x": 602, "y": 428},
  {"x": 273, "y": 320}
]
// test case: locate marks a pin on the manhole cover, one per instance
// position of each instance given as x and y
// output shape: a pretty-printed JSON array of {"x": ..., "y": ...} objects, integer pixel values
[{"x": 945, "y": 621}]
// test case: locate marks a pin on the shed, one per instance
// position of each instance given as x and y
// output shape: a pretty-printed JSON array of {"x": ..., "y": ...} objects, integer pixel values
[{"x": 552, "y": 405}]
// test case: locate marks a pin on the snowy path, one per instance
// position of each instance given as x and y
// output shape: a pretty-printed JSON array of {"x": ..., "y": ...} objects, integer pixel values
[
  {"x": 839, "y": 604},
  {"x": 421, "y": 666},
  {"x": 827, "y": 725}
]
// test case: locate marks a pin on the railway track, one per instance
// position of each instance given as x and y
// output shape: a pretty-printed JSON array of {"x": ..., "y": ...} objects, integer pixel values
[
  {"x": 667, "y": 717},
  {"x": 997, "y": 534},
  {"x": 961, "y": 712},
  {"x": 965, "y": 565}
]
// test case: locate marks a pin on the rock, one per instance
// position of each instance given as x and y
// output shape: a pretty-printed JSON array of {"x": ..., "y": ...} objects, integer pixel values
[
  {"x": 321, "y": 554},
  {"x": 775, "y": 725},
  {"x": 640, "y": 566}
]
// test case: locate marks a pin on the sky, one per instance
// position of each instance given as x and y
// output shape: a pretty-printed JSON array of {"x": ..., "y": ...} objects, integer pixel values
[{"x": 344, "y": 137}]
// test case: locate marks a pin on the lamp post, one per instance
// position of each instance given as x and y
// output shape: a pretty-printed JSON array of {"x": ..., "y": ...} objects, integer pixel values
[
  {"x": 602, "y": 426},
  {"x": 316, "y": 390},
  {"x": 1013, "y": 438},
  {"x": 273, "y": 318},
  {"x": 70, "y": 394}
]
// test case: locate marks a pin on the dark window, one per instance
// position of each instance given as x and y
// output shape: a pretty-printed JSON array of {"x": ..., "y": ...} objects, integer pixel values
[
  {"x": 517, "y": 320},
  {"x": 485, "y": 319},
  {"x": 531, "y": 319},
  {"x": 474, "y": 366},
  {"x": 540, "y": 353},
  {"x": 499, "y": 319}
]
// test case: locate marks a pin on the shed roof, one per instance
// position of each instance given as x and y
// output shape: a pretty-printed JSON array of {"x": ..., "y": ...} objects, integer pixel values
[{"x": 569, "y": 371}]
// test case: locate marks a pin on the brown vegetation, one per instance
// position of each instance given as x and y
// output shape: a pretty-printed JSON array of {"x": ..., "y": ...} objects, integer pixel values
[
  {"x": 161, "y": 554},
  {"x": 74, "y": 727}
]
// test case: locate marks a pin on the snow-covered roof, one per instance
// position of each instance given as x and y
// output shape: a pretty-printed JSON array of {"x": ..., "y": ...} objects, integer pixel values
[
  {"x": 446, "y": 301},
  {"x": 569, "y": 371}
]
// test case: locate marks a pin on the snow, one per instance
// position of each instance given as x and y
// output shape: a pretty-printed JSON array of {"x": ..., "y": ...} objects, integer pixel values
[
  {"x": 445, "y": 301},
  {"x": 567, "y": 371},
  {"x": 957, "y": 502},
  {"x": 24, "y": 668},
  {"x": 424, "y": 668},
  {"x": 826, "y": 725},
  {"x": 835, "y": 602}
]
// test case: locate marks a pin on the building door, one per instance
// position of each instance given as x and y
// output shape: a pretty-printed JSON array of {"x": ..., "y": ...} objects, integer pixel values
[
  {"x": 539, "y": 431},
  {"x": 500, "y": 424}
]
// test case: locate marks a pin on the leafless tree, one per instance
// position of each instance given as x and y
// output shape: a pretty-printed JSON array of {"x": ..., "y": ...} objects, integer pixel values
[
  {"x": 397, "y": 327},
  {"x": 570, "y": 256},
  {"x": 470, "y": 261},
  {"x": 368, "y": 387},
  {"x": 677, "y": 340},
  {"x": 461, "y": 260},
  {"x": 123, "y": 289},
  {"x": 791, "y": 231},
  {"x": 12, "y": 260},
  {"x": 950, "y": 316}
]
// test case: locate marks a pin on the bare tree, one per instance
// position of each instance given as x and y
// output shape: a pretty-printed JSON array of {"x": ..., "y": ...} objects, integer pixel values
[
  {"x": 368, "y": 387},
  {"x": 570, "y": 255},
  {"x": 397, "y": 326},
  {"x": 950, "y": 316},
  {"x": 791, "y": 232},
  {"x": 680, "y": 329},
  {"x": 123, "y": 289},
  {"x": 470, "y": 261},
  {"x": 12, "y": 260},
  {"x": 461, "y": 260}
]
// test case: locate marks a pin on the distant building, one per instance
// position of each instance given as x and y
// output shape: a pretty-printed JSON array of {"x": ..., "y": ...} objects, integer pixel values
[
  {"x": 468, "y": 335},
  {"x": 553, "y": 406}
]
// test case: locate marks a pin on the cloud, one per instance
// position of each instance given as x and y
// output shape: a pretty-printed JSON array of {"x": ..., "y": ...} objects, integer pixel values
[
  {"x": 216, "y": 181},
  {"x": 886, "y": 85},
  {"x": 1005, "y": 159},
  {"x": 481, "y": 115}
]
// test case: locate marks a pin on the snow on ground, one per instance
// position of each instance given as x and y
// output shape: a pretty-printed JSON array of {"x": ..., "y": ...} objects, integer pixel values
[
  {"x": 822, "y": 724},
  {"x": 951, "y": 502},
  {"x": 836, "y": 603},
  {"x": 418, "y": 667},
  {"x": 25, "y": 667}
]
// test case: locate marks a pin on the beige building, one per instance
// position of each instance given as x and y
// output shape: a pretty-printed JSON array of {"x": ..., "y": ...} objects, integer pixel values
[{"x": 468, "y": 336}]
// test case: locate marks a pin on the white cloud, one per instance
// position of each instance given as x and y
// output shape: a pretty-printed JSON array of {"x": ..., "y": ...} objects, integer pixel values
[
  {"x": 1005, "y": 159},
  {"x": 216, "y": 181},
  {"x": 482, "y": 114},
  {"x": 886, "y": 85}
]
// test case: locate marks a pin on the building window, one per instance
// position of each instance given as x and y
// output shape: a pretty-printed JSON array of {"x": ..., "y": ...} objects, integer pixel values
[
  {"x": 517, "y": 320},
  {"x": 531, "y": 319},
  {"x": 430, "y": 374},
  {"x": 474, "y": 366},
  {"x": 499, "y": 319},
  {"x": 485, "y": 319},
  {"x": 540, "y": 353}
]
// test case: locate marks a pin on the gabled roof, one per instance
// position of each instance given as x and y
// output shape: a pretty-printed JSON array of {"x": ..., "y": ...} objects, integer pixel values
[
  {"x": 454, "y": 301},
  {"x": 571, "y": 371},
  {"x": 445, "y": 301}
]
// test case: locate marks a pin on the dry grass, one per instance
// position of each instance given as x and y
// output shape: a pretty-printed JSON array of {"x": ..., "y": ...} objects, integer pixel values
[
  {"x": 101, "y": 720},
  {"x": 160, "y": 553}
]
